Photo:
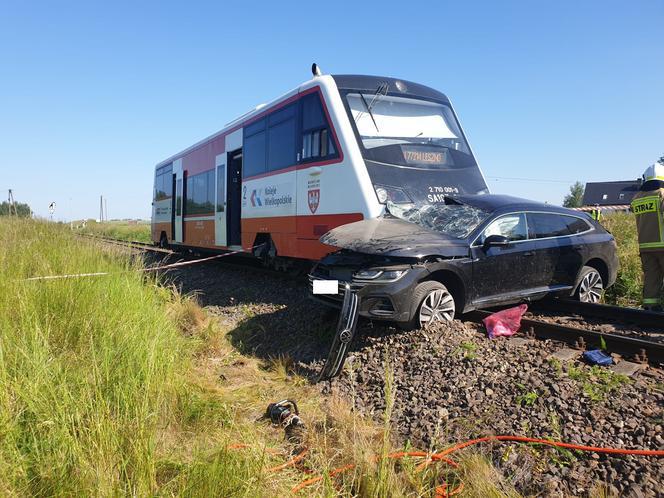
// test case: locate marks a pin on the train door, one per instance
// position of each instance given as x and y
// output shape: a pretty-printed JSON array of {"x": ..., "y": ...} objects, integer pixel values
[
  {"x": 220, "y": 222},
  {"x": 234, "y": 206},
  {"x": 179, "y": 200}
]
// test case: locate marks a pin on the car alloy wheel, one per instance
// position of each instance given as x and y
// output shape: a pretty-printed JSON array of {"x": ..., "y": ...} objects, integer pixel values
[
  {"x": 437, "y": 306},
  {"x": 591, "y": 287}
]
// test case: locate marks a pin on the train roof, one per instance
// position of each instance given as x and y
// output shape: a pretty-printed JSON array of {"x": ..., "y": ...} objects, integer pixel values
[
  {"x": 395, "y": 85},
  {"x": 343, "y": 82}
]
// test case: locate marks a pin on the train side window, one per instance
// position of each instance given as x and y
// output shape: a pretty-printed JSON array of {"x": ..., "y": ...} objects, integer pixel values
[
  {"x": 178, "y": 198},
  {"x": 281, "y": 138},
  {"x": 317, "y": 140},
  {"x": 221, "y": 190},
  {"x": 163, "y": 182},
  {"x": 254, "y": 149},
  {"x": 200, "y": 193}
]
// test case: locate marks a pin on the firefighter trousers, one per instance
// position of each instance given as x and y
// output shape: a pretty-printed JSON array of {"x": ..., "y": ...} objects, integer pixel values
[{"x": 653, "y": 277}]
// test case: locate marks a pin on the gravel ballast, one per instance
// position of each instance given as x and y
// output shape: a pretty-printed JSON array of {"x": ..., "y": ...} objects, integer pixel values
[{"x": 452, "y": 383}]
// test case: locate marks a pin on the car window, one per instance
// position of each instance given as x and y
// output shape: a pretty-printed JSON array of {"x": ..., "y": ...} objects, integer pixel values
[
  {"x": 512, "y": 226},
  {"x": 544, "y": 225},
  {"x": 576, "y": 225}
]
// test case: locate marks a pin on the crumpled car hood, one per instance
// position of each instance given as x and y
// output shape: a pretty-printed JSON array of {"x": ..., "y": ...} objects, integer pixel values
[{"x": 391, "y": 236}]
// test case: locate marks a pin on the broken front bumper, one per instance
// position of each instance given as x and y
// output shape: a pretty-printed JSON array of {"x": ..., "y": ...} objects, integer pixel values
[{"x": 379, "y": 301}]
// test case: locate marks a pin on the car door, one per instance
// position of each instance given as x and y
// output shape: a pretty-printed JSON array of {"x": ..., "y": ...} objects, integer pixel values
[
  {"x": 502, "y": 273},
  {"x": 557, "y": 251}
]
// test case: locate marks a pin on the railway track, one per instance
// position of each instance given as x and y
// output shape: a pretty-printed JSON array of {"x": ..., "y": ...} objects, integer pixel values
[
  {"x": 647, "y": 347},
  {"x": 128, "y": 243},
  {"x": 230, "y": 260}
]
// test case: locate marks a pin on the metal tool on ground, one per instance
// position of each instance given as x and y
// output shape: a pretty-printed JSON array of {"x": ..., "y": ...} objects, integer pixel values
[{"x": 344, "y": 335}]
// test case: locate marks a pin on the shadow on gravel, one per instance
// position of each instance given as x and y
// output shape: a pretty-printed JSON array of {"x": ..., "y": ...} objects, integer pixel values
[{"x": 271, "y": 316}]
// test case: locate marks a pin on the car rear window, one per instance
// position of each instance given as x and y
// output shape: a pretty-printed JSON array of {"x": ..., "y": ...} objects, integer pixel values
[
  {"x": 545, "y": 225},
  {"x": 577, "y": 225}
]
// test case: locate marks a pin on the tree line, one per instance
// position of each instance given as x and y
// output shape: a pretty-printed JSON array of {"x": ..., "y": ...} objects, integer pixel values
[{"x": 21, "y": 209}]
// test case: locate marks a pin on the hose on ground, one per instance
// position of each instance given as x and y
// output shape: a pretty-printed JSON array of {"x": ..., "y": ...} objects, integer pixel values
[{"x": 441, "y": 491}]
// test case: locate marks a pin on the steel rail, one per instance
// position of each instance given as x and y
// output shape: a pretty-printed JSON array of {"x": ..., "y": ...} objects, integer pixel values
[
  {"x": 641, "y": 350},
  {"x": 642, "y": 318},
  {"x": 248, "y": 264},
  {"x": 127, "y": 243}
]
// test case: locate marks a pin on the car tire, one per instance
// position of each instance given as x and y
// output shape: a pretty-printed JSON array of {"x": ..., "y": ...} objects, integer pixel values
[
  {"x": 430, "y": 299},
  {"x": 590, "y": 287}
]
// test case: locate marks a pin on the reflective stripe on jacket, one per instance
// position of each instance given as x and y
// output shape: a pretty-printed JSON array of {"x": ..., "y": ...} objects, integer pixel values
[{"x": 648, "y": 206}]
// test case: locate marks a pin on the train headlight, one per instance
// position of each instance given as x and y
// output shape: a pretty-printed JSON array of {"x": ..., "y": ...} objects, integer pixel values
[
  {"x": 382, "y": 195},
  {"x": 392, "y": 194}
]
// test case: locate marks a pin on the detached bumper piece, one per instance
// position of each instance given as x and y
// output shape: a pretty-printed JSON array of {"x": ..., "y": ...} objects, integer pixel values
[{"x": 344, "y": 335}]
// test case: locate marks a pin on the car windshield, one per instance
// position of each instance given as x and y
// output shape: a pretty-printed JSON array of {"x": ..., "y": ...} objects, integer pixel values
[
  {"x": 387, "y": 120},
  {"x": 455, "y": 220}
]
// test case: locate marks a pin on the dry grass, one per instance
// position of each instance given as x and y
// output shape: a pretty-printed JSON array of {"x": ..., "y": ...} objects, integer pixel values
[{"x": 481, "y": 478}]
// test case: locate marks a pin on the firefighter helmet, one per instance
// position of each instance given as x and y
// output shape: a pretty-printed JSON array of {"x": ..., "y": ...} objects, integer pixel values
[{"x": 654, "y": 172}]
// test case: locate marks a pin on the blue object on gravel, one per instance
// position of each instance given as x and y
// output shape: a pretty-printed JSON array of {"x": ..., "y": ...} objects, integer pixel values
[{"x": 597, "y": 357}]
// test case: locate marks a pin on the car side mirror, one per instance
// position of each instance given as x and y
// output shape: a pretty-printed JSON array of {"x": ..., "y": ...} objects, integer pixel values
[{"x": 495, "y": 241}]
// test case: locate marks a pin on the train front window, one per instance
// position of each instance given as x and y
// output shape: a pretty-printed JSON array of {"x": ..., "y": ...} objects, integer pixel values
[{"x": 383, "y": 120}]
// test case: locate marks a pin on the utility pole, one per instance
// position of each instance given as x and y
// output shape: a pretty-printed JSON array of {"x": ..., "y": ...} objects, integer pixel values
[
  {"x": 11, "y": 204},
  {"x": 101, "y": 209},
  {"x": 105, "y": 209}
]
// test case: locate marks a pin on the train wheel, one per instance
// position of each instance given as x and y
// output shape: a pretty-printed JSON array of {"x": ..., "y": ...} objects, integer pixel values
[
  {"x": 163, "y": 241},
  {"x": 266, "y": 252}
]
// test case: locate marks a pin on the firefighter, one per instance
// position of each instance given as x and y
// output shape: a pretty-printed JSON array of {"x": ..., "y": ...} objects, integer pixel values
[
  {"x": 648, "y": 207},
  {"x": 596, "y": 213}
]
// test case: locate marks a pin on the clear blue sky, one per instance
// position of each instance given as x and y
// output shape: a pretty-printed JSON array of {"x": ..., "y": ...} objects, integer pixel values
[{"x": 93, "y": 94}]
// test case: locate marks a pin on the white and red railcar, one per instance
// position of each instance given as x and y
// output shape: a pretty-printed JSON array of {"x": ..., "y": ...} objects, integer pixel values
[{"x": 332, "y": 151}]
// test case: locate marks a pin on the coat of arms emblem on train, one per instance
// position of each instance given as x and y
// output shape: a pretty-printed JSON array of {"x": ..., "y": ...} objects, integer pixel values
[{"x": 314, "y": 199}]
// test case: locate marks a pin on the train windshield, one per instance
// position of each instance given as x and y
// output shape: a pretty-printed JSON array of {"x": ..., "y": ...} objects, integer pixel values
[{"x": 384, "y": 120}]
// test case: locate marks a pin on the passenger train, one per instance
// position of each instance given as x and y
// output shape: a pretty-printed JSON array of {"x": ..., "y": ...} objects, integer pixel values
[{"x": 332, "y": 151}]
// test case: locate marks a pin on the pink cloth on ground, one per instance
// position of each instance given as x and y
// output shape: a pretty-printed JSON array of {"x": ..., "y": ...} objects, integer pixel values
[{"x": 505, "y": 322}]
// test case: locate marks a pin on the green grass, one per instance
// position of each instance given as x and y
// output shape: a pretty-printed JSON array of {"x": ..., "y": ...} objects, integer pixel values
[
  {"x": 121, "y": 230},
  {"x": 98, "y": 393},
  {"x": 88, "y": 368},
  {"x": 627, "y": 289},
  {"x": 596, "y": 382}
]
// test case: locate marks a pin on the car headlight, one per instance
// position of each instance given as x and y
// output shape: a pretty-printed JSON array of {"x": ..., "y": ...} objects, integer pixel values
[
  {"x": 392, "y": 194},
  {"x": 379, "y": 275}
]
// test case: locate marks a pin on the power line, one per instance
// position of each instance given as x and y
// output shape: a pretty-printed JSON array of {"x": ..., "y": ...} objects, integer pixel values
[{"x": 534, "y": 180}]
